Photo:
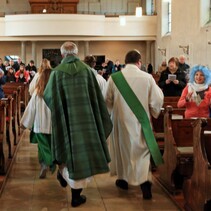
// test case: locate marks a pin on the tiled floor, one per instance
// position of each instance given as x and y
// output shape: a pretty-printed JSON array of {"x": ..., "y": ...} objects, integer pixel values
[{"x": 24, "y": 191}]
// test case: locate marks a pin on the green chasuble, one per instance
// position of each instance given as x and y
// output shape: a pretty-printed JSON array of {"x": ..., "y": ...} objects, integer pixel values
[{"x": 80, "y": 120}]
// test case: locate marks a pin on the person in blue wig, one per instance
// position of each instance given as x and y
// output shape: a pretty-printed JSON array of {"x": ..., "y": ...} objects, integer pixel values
[{"x": 196, "y": 96}]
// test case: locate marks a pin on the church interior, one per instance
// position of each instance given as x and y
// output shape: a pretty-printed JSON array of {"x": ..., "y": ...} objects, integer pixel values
[{"x": 107, "y": 29}]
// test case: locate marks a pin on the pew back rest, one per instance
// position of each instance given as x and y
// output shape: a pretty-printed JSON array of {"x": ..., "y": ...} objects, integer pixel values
[
  {"x": 181, "y": 129},
  {"x": 2, "y": 118},
  {"x": 171, "y": 101},
  {"x": 173, "y": 104},
  {"x": 183, "y": 132},
  {"x": 158, "y": 124},
  {"x": 23, "y": 87}
]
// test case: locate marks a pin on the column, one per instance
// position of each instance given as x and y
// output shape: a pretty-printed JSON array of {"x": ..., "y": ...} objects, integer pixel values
[
  {"x": 23, "y": 51},
  {"x": 34, "y": 54},
  {"x": 144, "y": 7},
  {"x": 152, "y": 52},
  {"x": 148, "y": 52},
  {"x": 155, "y": 7},
  {"x": 86, "y": 48}
]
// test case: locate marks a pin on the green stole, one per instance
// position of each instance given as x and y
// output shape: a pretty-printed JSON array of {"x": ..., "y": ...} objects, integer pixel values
[{"x": 140, "y": 113}]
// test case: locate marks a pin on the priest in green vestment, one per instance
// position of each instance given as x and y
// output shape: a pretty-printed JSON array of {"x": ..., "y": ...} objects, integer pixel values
[{"x": 80, "y": 123}]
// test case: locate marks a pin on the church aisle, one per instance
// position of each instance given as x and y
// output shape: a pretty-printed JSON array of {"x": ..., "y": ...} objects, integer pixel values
[{"x": 24, "y": 191}]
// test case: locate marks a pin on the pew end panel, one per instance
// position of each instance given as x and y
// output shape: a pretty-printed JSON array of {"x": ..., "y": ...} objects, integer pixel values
[
  {"x": 10, "y": 88},
  {"x": 178, "y": 152},
  {"x": 4, "y": 148},
  {"x": 197, "y": 189},
  {"x": 14, "y": 113},
  {"x": 9, "y": 129}
]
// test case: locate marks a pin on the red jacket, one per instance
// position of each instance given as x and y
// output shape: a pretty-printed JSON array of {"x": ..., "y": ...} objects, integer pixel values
[
  {"x": 25, "y": 75},
  {"x": 192, "y": 110}
]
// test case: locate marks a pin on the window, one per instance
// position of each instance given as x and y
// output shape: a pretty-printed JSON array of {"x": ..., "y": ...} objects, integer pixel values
[
  {"x": 210, "y": 12},
  {"x": 12, "y": 57},
  {"x": 169, "y": 16},
  {"x": 205, "y": 12},
  {"x": 150, "y": 7},
  {"x": 53, "y": 55},
  {"x": 166, "y": 17}
]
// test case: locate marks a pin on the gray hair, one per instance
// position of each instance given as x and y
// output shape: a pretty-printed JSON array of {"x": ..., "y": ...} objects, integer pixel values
[{"x": 69, "y": 48}]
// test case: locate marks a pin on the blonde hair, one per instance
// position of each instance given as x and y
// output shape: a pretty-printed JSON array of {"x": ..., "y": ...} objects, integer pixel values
[{"x": 44, "y": 71}]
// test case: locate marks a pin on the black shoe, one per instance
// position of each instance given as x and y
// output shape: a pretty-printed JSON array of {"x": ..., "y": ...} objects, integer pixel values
[
  {"x": 78, "y": 201},
  {"x": 122, "y": 184},
  {"x": 146, "y": 190},
  {"x": 43, "y": 171},
  {"x": 61, "y": 180}
]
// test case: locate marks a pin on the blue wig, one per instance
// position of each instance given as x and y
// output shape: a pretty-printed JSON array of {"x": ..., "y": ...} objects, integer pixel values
[{"x": 206, "y": 72}]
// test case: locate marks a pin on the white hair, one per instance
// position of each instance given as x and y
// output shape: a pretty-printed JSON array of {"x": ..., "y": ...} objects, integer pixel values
[
  {"x": 69, "y": 48},
  {"x": 182, "y": 56}
]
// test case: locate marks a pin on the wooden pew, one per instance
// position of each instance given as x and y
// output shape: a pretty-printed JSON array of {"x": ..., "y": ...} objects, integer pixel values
[
  {"x": 4, "y": 148},
  {"x": 197, "y": 189},
  {"x": 24, "y": 92},
  {"x": 9, "y": 129},
  {"x": 15, "y": 111},
  {"x": 158, "y": 124},
  {"x": 171, "y": 99},
  {"x": 178, "y": 152}
]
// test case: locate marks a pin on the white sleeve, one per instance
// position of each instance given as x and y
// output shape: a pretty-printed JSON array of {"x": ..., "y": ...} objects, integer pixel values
[
  {"x": 33, "y": 83},
  {"x": 28, "y": 117}
]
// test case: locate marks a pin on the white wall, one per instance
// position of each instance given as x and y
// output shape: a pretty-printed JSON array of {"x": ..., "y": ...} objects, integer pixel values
[
  {"x": 79, "y": 25},
  {"x": 104, "y": 35},
  {"x": 186, "y": 30}
]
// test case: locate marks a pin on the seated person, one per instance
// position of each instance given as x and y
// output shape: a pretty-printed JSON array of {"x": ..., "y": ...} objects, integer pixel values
[
  {"x": 117, "y": 66},
  {"x": 162, "y": 68},
  {"x": 172, "y": 80},
  {"x": 196, "y": 96},
  {"x": 31, "y": 68},
  {"x": 107, "y": 68},
  {"x": 16, "y": 65},
  {"x": 22, "y": 75},
  {"x": 150, "y": 68},
  {"x": 10, "y": 77},
  {"x": 2, "y": 81},
  {"x": 2, "y": 66}
]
